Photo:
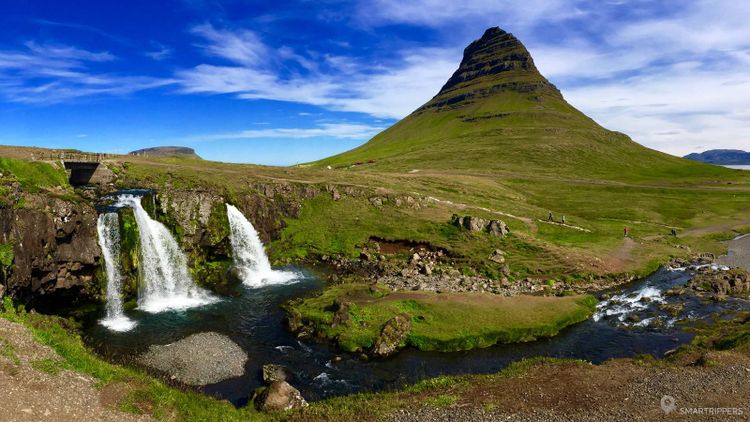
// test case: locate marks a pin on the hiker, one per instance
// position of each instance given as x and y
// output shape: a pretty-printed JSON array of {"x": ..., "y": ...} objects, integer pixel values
[
  {"x": 674, "y": 232},
  {"x": 563, "y": 219},
  {"x": 626, "y": 231},
  {"x": 550, "y": 217}
]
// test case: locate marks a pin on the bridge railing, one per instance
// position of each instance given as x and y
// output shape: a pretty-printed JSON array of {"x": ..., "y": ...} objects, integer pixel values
[{"x": 81, "y": 157}]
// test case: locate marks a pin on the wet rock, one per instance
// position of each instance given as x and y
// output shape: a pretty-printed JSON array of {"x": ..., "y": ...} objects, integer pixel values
[
  {"x": 273, "y": 372},
  {"x": 280, "y": 396},
  {"x": 235, "y": 274},
  {"x": 200, "y": 359},
  {"x": 721, "y": 283},
  {"x": 672, "y": 309},
  {"x": 393, "y": 336},
  {"x": 633, "y": 318}
]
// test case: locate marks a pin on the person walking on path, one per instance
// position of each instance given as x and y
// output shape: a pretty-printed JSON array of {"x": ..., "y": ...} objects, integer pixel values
[
  {"x": 674, "y": 232},
  {"x": 563, "y": 219},
  {"x": 626, "y": 231},
  {"x": 550, "y": 218}
]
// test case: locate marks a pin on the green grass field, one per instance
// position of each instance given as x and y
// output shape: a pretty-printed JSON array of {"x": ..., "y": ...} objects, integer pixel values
[{"x": 441, "y": 322}]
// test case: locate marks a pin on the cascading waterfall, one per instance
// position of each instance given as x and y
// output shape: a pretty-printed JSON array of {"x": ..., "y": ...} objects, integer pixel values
[
  {"x": 166, "y": 282},
  {"x": 249, "y": 256},
  {"x": 108, "y": 229}
]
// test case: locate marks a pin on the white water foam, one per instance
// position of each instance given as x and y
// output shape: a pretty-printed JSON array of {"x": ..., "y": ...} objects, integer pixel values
[
  {"x": 623, "y": 305},
  {"x": 167, "y": 284},
  {"x": 714, "y": 267},
  {"x": 108, "y": 229},
  {"x": 249, "y": 256}
]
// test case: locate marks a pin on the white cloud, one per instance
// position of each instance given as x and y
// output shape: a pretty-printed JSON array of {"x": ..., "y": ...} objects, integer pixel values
[
  {"x": 675, "y": 79},
  {"x": 677, "y": 111},
  {"x": 474, "y": 12},
  {"x": 241, "y": 46},
  {"x": 329, "y": 130},
  {"x": 345, "y": 85},
  {"x": 48, "y": 74}
]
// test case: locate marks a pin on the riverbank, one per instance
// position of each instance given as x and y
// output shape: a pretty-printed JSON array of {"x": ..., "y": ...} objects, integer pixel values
[{"x": 712, "y": 372}]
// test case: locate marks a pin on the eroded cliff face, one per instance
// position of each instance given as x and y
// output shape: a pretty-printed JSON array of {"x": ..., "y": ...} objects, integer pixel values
[
  {"x": 198, "y": 217},
  {"x": 57, "y": 261},
  {"x": 55, "y": 251}
]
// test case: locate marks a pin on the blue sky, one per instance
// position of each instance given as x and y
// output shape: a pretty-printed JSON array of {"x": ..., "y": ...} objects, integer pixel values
[{"x": 291, "y": 81}]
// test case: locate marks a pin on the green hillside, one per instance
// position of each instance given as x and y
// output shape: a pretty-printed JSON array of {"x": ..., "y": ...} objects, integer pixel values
[{"x": 497, "y": 113}]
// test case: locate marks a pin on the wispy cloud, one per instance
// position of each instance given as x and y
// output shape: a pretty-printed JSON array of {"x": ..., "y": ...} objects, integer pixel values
[
  {"x": 437, "y": 13},
  {"x": 159, "y": 52},
  {"x": 338, "y": 83},
  {"x": 52, "y": 73},
  {"x": 328, "y": 130},
  {"x": 84, "y": 28}
]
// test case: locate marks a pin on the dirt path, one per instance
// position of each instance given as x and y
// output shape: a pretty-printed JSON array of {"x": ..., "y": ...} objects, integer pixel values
[
  {"x": 738, "y": 253},
  {"x": 716, "y": 228},
  {"x": 616, "y": 390},
  {"x": 618, "y": 259},
  {"x": 29, "y": 394}
]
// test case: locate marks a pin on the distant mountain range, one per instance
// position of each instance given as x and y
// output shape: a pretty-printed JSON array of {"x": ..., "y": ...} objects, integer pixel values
[
  {"x": 721, "y": 156},
  {"x": 166, "y": 152}
]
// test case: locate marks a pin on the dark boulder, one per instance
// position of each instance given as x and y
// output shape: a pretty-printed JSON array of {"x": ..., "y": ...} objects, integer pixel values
[
  {"x": 279, "y": 396},
  {"x": 392, "y": 336},
  {"x": 273, "y": 372}
]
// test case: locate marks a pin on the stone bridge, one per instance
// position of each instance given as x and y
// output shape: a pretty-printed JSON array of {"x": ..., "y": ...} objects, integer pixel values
[{"x": 82, "y": 168}]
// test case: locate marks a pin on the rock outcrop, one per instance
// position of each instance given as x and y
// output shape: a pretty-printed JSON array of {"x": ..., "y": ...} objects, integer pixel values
[
  {"x": 55, "y": 250},
  {"x": 279, "y": 396},
  {"x": 200, "y": 359},
  {"x": 392, "y": 336},
  {"x": 477, "y": 224},
  {"x": 734, "y": 282},
  {"x": 272, "y": 372}
]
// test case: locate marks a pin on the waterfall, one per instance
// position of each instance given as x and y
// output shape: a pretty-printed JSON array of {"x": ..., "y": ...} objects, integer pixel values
[
  {"x": 166, "y": 282},
  {"x": 249, "y": 257},
  {"x": 107, "y": 226}
]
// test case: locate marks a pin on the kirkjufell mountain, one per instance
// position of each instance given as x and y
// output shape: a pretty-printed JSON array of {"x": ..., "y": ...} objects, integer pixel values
[{"x": 498, "y": 113}]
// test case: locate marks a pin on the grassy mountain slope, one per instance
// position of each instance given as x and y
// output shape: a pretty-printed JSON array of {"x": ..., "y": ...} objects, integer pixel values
[{"x": 497, "y": 113}]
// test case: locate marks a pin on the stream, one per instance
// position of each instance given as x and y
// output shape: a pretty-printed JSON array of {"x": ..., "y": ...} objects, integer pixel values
[{"x": 633, "y": 321}]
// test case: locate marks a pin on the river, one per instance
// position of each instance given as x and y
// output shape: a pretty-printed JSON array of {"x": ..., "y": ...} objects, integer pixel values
[{"x": 255, "y": 321}]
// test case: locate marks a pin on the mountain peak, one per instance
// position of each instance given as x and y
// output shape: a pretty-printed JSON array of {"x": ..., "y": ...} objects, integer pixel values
[{"x": 494, "y": 63}]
